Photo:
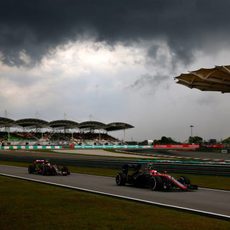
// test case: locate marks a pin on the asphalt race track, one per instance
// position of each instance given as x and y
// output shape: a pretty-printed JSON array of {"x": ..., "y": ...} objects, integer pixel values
[{"x": 205, "y": 201}]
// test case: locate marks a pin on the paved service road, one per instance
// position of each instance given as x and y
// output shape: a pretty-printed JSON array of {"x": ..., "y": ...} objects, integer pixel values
[{"x": 205, "y": 200}]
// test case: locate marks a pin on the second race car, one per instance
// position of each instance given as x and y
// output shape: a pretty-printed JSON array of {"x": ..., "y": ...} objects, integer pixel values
[{"x": 44, "y": 167}]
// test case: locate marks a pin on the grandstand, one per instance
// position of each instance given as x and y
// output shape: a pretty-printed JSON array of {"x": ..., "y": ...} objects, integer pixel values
[{"x": 32, "y": 131}]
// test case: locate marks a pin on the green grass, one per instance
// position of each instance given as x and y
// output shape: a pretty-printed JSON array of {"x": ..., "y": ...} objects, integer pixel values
[
  {"x": 215, "y": 182},
  {"x": 29, "y": 205}
]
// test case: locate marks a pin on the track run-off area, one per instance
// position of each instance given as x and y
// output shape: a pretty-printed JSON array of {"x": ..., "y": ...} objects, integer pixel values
[{"x": 204, "y": 201}]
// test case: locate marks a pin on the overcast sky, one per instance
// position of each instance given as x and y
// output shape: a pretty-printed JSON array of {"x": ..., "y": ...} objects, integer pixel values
[{"x": 115, "y": 60}]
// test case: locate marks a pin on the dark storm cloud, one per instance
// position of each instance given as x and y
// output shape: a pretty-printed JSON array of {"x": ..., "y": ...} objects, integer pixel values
[
  {"x": 150, "y": 81},
  {"x": 35, "y": 27}
]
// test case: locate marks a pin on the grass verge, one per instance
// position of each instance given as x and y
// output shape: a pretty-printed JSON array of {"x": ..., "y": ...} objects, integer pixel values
[{"x": 29, "y": 205}]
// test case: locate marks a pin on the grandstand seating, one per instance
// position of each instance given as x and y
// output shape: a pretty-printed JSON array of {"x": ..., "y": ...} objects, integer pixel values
[
  {"x": 39, "y": 138},
  {"x": 59, "y": 131}
]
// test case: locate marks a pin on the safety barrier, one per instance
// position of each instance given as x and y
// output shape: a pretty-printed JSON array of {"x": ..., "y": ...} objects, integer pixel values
[
  {"x": 30, "y": 147},
  {"x": 48, "y": 147},
  {"x": 110, "y": 147}
]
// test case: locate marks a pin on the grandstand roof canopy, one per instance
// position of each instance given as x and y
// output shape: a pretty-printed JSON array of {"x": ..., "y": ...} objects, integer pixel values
[
  {"x": 117, "y": 126},
  {"x": 91, "y": 125},
  {"x": 214, "y": 79},
  {"x": 32, "y": 122},
  {"x": 6, "y": 122},
  {"x": 66, "y": 124}
]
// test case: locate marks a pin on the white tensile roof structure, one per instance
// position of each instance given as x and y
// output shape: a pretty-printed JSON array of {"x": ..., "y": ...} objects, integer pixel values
[{"x": 214, "y": 79}]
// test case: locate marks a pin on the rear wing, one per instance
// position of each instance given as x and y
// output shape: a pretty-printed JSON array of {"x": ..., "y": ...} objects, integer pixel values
[{"x": 134, "y": 166}]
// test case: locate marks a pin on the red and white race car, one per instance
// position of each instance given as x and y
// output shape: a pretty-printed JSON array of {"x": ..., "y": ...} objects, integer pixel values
[
  {"x": 144, "y": 175},
  {"x": 44, "y": 167}
]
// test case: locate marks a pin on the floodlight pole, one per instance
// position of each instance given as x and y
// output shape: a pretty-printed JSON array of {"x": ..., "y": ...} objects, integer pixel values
[
  {"x": 8, "y": 134},
  {"x": 124, "y": 135},
  {"x": 191, "y": 126}
]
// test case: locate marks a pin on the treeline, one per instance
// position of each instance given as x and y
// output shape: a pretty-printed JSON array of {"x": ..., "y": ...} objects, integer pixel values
[{"x": 192, "y": 140}]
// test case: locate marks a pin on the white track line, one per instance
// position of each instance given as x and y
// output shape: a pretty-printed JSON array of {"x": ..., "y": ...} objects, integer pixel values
[
  {"x": 215, "y": 190},
  {"x": 123, "y": 197}
]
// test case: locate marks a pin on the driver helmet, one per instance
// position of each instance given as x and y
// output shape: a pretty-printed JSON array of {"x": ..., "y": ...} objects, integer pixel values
[
  {"x": 153, "y": 172},
  {"x": 150, "y": 165}
]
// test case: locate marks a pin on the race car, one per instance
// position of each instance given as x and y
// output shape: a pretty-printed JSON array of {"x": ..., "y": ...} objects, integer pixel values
[
  {"x": 144, "y": 175},
  {"x": 44, "y": 167}
]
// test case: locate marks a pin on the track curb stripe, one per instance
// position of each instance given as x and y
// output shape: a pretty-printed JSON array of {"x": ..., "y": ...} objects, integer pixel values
[{"x": 201, "y": 212}]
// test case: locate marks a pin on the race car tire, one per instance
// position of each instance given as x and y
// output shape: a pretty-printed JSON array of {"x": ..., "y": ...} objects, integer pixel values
[
  {"x": 156, "y": 183},
  {"x": 120, "y": 179},
  {"x": 44, "y": 171},
  {"x": 31, "y": 169},
  {"x": 167, "y": 185},
  {"x": 53, "y": 171},
  {"x": 65, "y": 171},
  {"x": 159, "y": 183},
  {"x": 184, "y": 180}
]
